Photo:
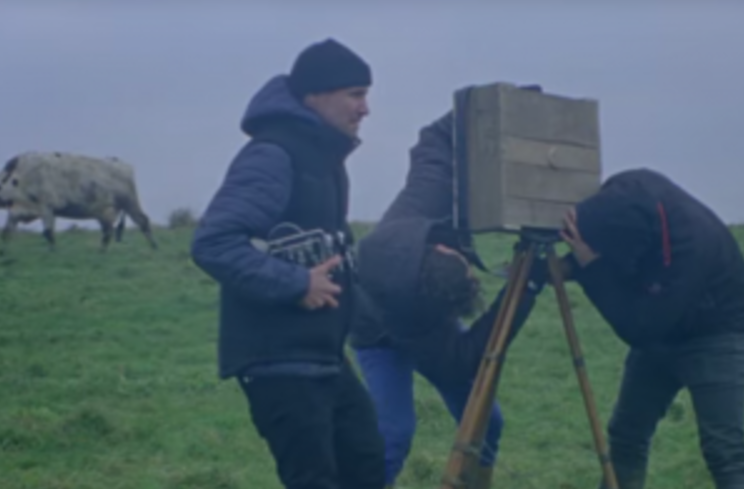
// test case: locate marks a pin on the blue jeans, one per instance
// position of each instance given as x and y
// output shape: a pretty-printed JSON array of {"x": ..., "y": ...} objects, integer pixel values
[{"x": 388, "y": 373}]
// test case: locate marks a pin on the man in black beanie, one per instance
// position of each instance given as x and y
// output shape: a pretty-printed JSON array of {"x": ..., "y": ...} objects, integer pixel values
[
  {"x": 333, "y": 81},
  {"x": 284, "y": 320}
]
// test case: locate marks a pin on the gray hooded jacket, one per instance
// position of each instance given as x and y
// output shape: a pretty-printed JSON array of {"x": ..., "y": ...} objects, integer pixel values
[
  {"x": 427, "y": 194},
  {"x": 389, "y": 268}
]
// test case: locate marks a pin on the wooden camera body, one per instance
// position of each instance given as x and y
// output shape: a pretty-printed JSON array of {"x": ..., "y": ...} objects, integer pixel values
[{"x": 522, "y": 157}]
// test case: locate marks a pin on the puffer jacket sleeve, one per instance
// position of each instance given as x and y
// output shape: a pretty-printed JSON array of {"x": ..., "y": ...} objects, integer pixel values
[
  {"x": 249, "y": 202},
  {"x": 428, "y": 187}
]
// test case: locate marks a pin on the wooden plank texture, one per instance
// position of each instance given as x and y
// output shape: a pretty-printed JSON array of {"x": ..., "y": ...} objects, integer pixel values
[
  {"x": 547, "y": 117},
  {"x": 532, "y": 155},
  {"x": 535, "y": 213},
  {"x": 485, "y": 174},
  {"x": 555, "y": 155},
  {"x": 544, "y": 183}
]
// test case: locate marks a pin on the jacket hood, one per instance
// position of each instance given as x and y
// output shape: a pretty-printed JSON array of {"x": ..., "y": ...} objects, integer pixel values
[
  {"x": 275, "y": 101},
  {"x": 390, "y": 258},
  {"x": 274, "y": 105},
  {"x": 620, "y": 222}
]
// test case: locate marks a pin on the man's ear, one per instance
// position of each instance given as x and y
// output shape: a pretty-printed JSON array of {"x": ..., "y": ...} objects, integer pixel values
[{"x": 309, "y": 100}]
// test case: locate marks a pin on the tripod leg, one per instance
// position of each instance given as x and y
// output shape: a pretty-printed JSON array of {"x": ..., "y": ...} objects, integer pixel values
[
  {"x": 578, "y": 360},
  {"x": 494, "y": 348},
  {"x": 466, "y": 451}
]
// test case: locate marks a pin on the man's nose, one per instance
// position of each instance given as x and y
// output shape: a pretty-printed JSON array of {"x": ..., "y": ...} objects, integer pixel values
[{"x": 364, "y": 108}]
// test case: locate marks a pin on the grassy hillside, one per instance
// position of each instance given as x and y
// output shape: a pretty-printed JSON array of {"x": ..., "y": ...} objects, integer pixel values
[{"x": 108, "y": 379}]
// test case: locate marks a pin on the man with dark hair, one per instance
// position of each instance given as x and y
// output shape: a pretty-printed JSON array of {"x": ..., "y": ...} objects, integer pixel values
[
  {"x": 387, "y": 366},
  {"x": 283, "y": 323},
  {"x": 668, "y": 276},
  {"x": 435, "y": 289},
  {"x": 420, "y": 287}
]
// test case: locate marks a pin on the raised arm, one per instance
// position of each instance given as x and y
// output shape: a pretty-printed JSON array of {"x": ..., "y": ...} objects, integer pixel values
[{"x": 428, "y": 187}]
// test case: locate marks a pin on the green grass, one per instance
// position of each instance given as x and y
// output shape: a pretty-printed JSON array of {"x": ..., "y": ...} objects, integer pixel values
[{"x": 108, "y": 379}]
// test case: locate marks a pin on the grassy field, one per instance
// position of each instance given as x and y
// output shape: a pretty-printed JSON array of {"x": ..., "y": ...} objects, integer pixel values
[{"x": 108, "y": 379}]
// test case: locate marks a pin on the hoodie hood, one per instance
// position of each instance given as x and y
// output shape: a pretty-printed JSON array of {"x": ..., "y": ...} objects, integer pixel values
[
  {"x": 274, "y": 106},
  {"x": 275, "y": 101},
  {"x": 390, "y": 258},
  {"x": 620, "y": 222}
]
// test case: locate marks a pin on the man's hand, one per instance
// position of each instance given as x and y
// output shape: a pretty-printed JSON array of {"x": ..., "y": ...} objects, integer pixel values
[
  {"x": 582, "y": 252},
  {"x": 322, "y": 289}
]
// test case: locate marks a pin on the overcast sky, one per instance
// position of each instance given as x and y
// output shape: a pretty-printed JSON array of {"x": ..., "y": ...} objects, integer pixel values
[{"x": 164, "y": 87}]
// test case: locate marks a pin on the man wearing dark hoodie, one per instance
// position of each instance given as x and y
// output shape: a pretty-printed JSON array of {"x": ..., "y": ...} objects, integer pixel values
[
  {"x": 668, "y": 276},
  {"x": 283, "y": 325},
  {"x": 394, "y": 334}
]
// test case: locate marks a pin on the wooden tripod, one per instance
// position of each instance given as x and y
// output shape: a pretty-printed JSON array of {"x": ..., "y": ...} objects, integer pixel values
[{"x": 466, "y": 451}]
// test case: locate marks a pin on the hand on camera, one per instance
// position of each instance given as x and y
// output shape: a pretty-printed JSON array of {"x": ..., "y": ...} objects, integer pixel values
[
  {"x": 322, "y": 290},
  {"x": 582, "y": 252}
]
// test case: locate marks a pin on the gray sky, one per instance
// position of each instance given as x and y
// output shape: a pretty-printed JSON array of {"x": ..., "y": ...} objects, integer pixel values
[{"x": 165, "y": 86}]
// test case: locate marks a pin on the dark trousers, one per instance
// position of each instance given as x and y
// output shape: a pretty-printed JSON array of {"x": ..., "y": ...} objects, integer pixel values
[
  {"x": 712, "y": 369},
  {"x": 321, "y": 431}
]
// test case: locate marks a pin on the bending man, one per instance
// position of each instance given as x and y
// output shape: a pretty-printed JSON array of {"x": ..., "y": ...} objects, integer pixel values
[
  {"x": 388, "y": 347},
  {"x": 668, "y": 277}
]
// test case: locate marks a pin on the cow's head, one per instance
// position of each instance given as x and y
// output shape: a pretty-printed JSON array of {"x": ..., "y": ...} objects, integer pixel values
[{"x": 9, "y": 183}]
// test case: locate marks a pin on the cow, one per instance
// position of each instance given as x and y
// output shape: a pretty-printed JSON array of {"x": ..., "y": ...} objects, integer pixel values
[{"x": 46, "y": 185}]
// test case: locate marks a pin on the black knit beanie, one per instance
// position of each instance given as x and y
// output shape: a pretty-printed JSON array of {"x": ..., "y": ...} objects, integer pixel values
[{"x": 326, "y": 66}]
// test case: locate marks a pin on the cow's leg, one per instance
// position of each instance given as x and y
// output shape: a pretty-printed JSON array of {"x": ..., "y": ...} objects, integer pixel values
[
  {"x": 47, "y": 219},
  {"x": 13, "y": 220},
  {"x": 120, "y": 226},
  {"x": 10, "y": 226},
  {"x": 143, "y": 222},
  {"x": 107, "y": 220},
  {"x": 107, "y": 230}
]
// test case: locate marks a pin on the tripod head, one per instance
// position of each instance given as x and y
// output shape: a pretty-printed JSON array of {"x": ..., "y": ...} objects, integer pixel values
[{"x": 538, "y": 238}]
